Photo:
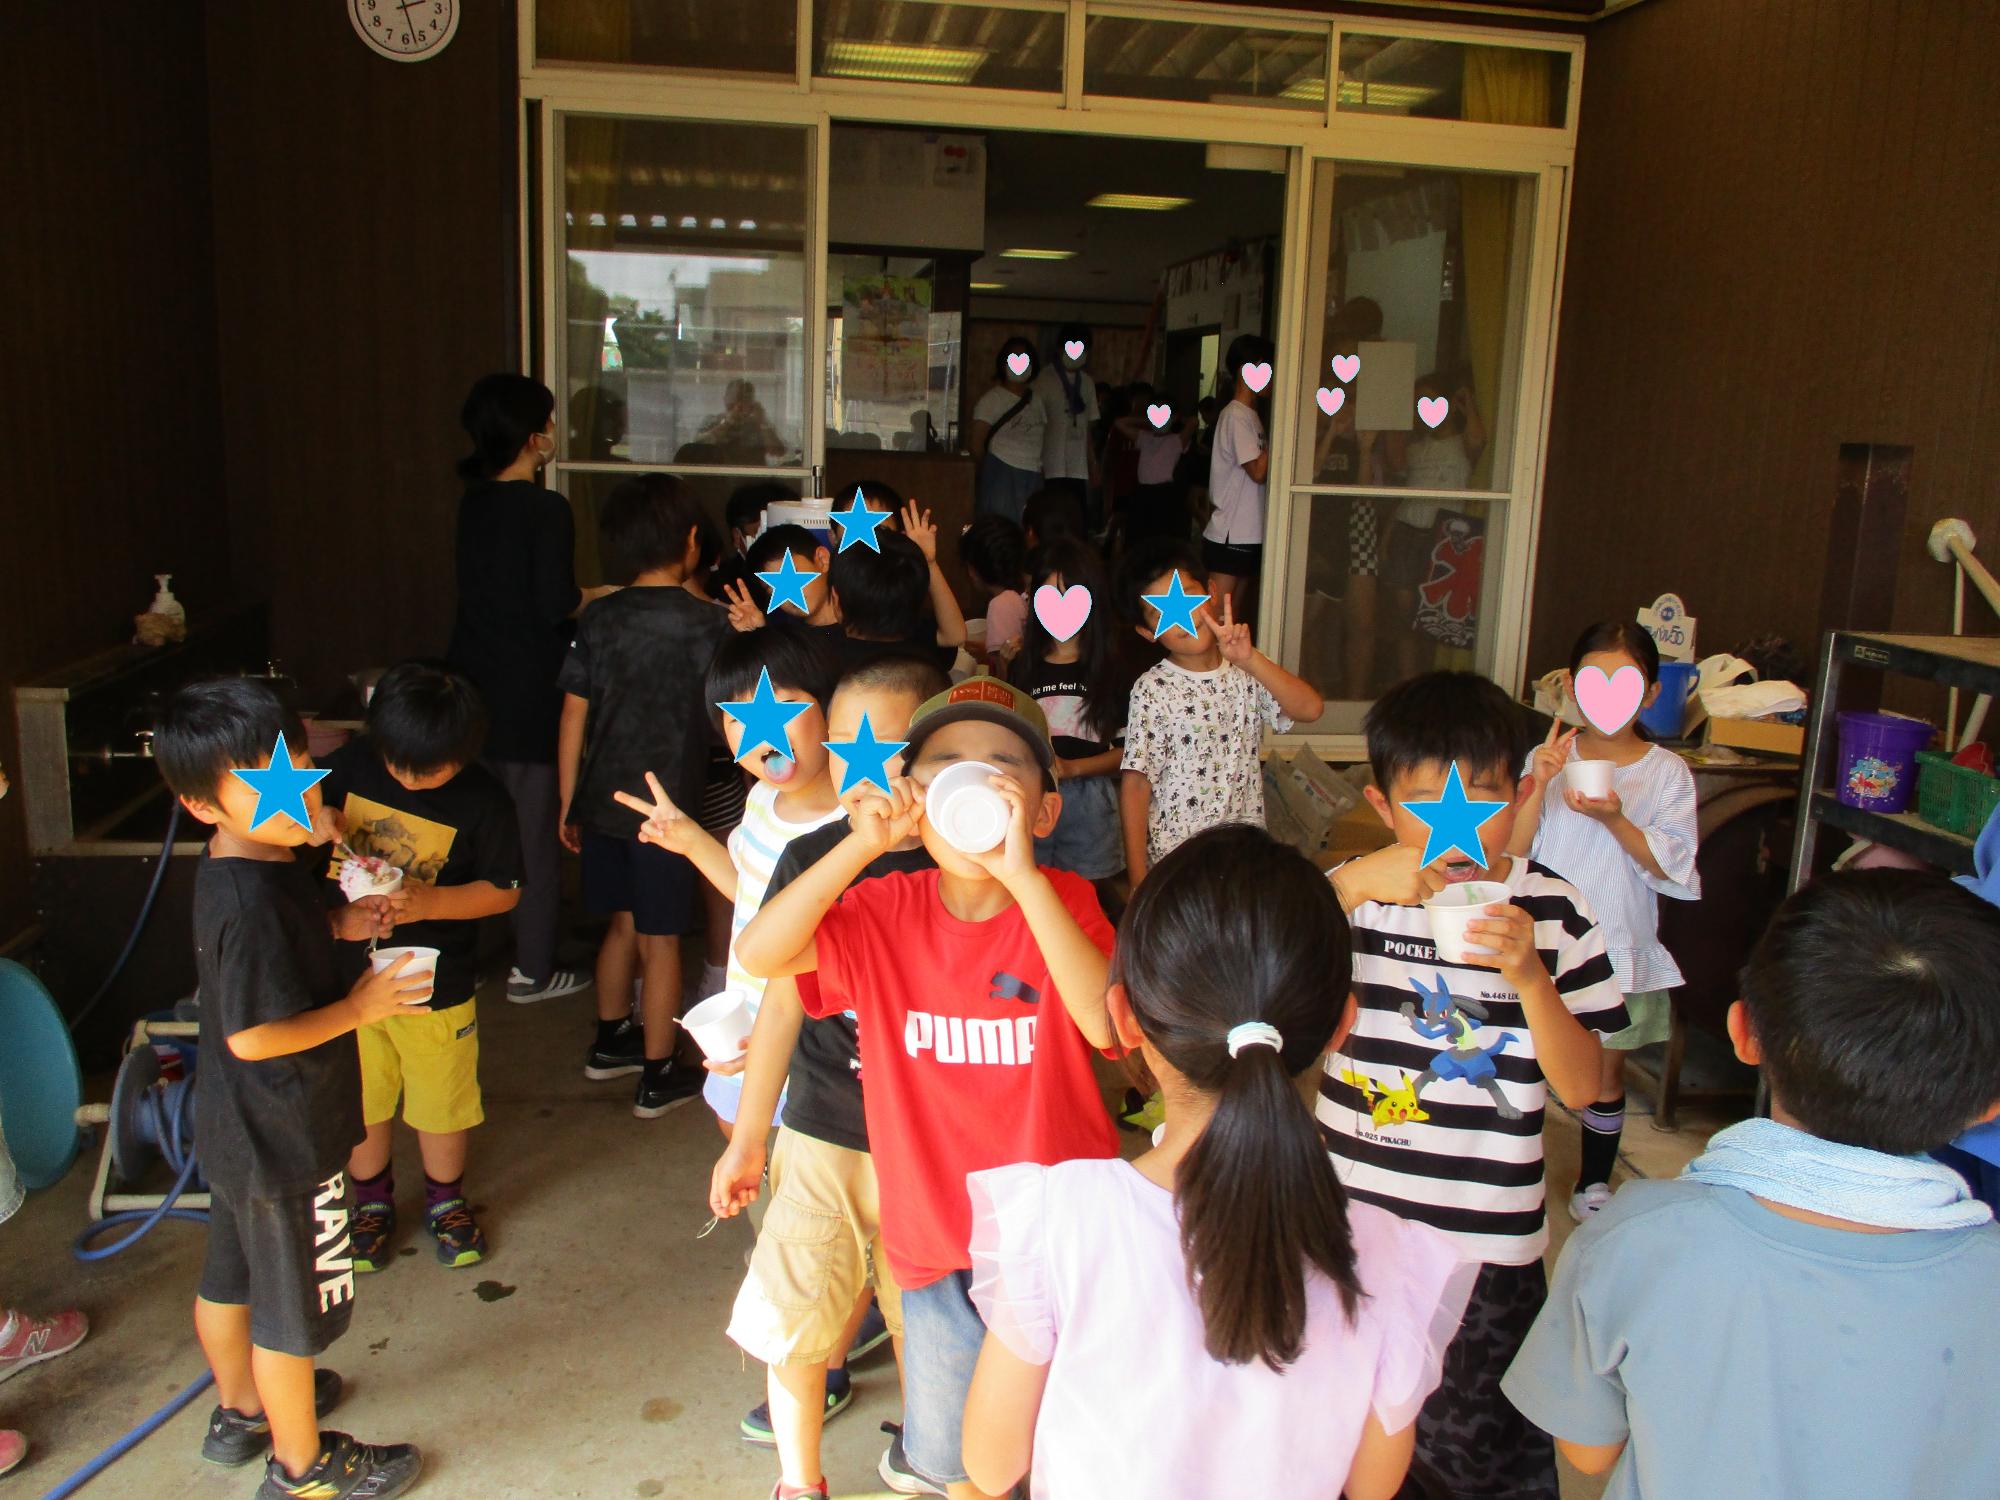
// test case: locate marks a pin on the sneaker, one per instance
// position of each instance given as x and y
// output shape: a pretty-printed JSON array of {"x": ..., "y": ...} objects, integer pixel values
[
  {"x": 870, "y": 1336},
  {"x": 1587, "y": 1201},
  {"x": 625, "y": 1054},
  {"x": 778, "y": 1491},
  {"x": 673, "y": 1086},
  {"x": 756, "y": 1426},
  {"x": 28, "y": 1341},
  {"x": 234, "y": 1439},
  {"x": 895, "y": 1467},
  {"x": 13, "y": 1448},
  {"x": 346, "y": 1470},
  {"x": 460, "y": 1240},
  {"x": 525, "y": 991},
  {"x": 369, "y": 1232}
]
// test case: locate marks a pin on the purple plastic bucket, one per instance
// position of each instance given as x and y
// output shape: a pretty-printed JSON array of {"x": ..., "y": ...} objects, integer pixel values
[{"x": 1878, "y": 760}]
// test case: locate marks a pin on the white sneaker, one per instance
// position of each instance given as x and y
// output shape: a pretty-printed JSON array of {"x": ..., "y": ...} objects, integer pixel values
[
  {"x": 1582, "y": 1205},
  {"x": 525, "y": 991}
]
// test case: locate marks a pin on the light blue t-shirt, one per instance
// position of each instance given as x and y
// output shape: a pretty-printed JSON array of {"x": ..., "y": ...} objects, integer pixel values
[{"x": 1745, "y": 1353}]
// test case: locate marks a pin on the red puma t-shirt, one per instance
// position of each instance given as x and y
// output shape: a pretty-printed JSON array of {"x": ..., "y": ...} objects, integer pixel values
[{"x": 970, "y": 1058}]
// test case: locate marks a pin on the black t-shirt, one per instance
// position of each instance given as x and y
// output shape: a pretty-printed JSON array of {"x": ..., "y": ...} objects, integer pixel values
[
  {"x": 456, "y": 834},
  {"x": 262, "y": 953},
  {"x": 516, "y": 593},
  {"x": 823, "y": 1099},
  {"x": 1059, "y": 688},
  {"x": 641, "y": 657}
]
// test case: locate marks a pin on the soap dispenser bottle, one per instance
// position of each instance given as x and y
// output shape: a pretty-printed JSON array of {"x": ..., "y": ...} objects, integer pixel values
[{"x": 164, "y": 621}]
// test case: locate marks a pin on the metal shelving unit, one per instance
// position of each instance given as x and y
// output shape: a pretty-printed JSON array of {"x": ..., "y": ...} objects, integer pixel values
[{"x": 1971, "y": 663}]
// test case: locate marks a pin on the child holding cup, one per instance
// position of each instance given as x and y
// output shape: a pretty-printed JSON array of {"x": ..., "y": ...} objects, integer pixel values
[{"x": 1622, "y": 831}]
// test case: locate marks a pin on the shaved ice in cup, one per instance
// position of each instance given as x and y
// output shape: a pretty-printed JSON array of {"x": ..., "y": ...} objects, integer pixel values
[
  {"x": 1456, "y": 907},
  {"x": 364, "y": 875}
]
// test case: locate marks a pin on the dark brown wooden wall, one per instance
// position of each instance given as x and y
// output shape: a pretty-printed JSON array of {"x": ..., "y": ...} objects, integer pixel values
[
  {"x": 366, "y": 247},
  {"x": 1785, "y": 236},
  {"x": 108, "y": 402}
]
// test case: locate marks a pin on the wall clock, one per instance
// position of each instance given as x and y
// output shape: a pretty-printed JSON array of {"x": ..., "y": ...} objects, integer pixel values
[{"x": 405, "y": 30}]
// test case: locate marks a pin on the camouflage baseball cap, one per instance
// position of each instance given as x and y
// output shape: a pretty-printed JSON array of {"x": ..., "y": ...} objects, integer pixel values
[{"x": 992, "y": 700}]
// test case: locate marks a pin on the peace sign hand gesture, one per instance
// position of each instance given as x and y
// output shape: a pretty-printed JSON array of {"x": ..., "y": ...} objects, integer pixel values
[
  {"x": 666, "y": 826},
  {"x": 744, "y": 615},
  {"x": 1550, "y": 754},
  {"x": 1233, "y": 639}
]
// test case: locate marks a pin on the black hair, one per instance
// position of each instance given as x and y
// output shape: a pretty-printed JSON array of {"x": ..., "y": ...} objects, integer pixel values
[
  {"x": 1154, "y": 558},
  {"x": 1050, "y": 513},
  {"x": 881, "y": 593},
  {"x": 1871, "y": 995},
  {"x": 746, "y": 502},
  {"x": 797, "y": 656},
  {"x": 1245, "y": 349},
  {"x": 1446, "y": 719},
  {"x": 500, "y": 414},
  {"x": 222, "y": 724},
  {"x": 1016, "y": 345},
  {"x": 1235, "y": 927},
  {"x": 1359, "y": 318},
  {"x": 1076, "y": 331},
  {"x": 876, "y": 494},
  {"x": 645, "y": 523},
  {"x": 897, "y": 672},
  {"x": 994, "y": 550},
  {"x": 1107, "y": 668},
  {"x": 424, "y": 716},
  {"x": 1627, "y": 636},
  {"x": 769, "y": 550}
]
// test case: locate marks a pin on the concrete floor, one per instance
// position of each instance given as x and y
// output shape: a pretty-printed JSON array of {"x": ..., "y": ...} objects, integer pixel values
[{"x": 585, "y": 1357}]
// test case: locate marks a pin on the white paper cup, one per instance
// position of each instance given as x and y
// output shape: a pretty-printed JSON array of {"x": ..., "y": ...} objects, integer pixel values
[
  {"x": 961, "y": 805},
  {"x": 1589, "y": 778},
  {"x": 975, "y": 631},
  {"x": 1456, "y": 906},
  {"x": 422, "y": 961},
  {"x": 720, "y": 1025}
]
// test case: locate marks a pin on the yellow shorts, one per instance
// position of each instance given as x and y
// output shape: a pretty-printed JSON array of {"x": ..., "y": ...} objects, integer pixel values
[
  {"x": 430, "y": 1062},
  {"x": 821, "y": 1238}
]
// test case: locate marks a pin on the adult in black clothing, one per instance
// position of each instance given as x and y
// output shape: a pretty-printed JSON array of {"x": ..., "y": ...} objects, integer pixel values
[{"x": 517, "y": 595}]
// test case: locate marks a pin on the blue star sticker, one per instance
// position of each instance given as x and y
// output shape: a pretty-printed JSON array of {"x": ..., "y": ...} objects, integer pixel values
[
  {"x": 280, "y": 788},
  {"x": 858, "y": 523},
  {"x": 865, "y": 759},
  {"x": 765, "y": 720},
  {"x": 1454, "y": 821},
  {"x": 788, "y": 585},
  {"x": 1176, "y": 607}
]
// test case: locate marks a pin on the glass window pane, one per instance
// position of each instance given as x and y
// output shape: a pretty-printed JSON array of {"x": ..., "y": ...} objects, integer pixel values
[
  {"x": 905, "y": 41},
  {"x": 1189, "y": 62},
  {"x": 743, "y": 36},
  {"x": 1420, "y": 279},
  {"x": 587, "y": 491},
  {"x": 1393, "y": 587},
  {"x": 685, "y": 299},
  {"x": 1404, "y": 75},
  {"x": 894, "y": 326}
]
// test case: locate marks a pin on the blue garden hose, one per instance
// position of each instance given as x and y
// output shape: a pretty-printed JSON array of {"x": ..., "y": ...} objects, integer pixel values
[{"x": 131, "y": 1439}]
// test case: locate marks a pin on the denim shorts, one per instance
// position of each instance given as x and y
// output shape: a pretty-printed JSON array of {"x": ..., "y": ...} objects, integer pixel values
[
  {"x": 1088, "y": 839},
  {"x": 942, "y": 1337}
]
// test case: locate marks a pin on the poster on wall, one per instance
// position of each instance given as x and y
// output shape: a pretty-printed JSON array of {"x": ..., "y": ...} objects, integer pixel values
[
  {"x": 885, "y": 339},
  {"x": 1448, "y": 598}
]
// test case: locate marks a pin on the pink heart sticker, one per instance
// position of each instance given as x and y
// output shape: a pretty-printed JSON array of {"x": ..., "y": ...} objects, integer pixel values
[
  {"x": 1609, "y": 702},
  {"x": 1346, "y": 367},
  {"x": 1433, "y": 409},
  {"x": 1017, "y": 364},
  {"x": 1159, "y": 415},
  {"x": 1330, "y": 401},
  {"x": 1074, "y": 349},
  {"x": 1257, "y": 376},
  {"x": 1062, "y": 614}
]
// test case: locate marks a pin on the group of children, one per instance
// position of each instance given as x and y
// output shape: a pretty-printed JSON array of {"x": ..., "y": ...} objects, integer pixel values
[{"x": 1325, "y": 1276}]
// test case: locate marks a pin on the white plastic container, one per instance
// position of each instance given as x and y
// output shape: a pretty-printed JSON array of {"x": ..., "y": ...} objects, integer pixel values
[
  {"x": 1452, "y": 909},
  {"x": 961, "y": 804},
  {"x": 423, "y": 963},
  {"x": 720, "y": 1025},
  {"x": 1589, "y": 778}
]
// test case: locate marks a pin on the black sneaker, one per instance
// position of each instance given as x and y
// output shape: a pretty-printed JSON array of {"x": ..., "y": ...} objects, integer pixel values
[
  {"x": 895, "y": 1467},
  {"x": 234, "y": 1439},
  {"x": 756, "y": 1424},
  {"x": 625, "y": 1053},
  {"x": 369, "y": 1233},
  {"x": 346, "y": 1470},
  {"x": 667, "y": 1089}
]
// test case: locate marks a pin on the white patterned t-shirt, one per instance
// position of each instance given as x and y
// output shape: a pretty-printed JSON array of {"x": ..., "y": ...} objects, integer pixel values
[{"x": 1196, "y": 736}]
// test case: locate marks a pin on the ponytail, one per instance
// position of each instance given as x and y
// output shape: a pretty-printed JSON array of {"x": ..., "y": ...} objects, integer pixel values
[
  {"x": 501, "y": 414},
  {"x": 1235, "y": 956}
]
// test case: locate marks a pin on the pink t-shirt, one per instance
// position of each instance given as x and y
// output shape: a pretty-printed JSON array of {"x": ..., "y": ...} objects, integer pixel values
[
  {"x": 1079, "y": 1267},
  {"x": 1006, "y": 618}
]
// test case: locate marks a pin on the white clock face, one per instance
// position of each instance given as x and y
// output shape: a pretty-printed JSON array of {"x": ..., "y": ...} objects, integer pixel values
[{"x": 406, "y": 30}]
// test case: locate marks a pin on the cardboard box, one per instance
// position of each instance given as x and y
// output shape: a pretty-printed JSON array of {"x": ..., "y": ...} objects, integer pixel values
[{"x": 1767, "y": 736}]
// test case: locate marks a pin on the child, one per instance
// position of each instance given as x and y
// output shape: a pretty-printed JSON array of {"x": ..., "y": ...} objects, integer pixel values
[
  {"x": 410, "y": 794},
  {"x": 979, "y": 993},
  {"x": 1624, "y": 852},
  {"x": 1196, "y": 721},
  {"x": 1157, "y": 507},
  {"x": 26, "y": 1340},
  {"x": 278, "y": 1094},
  {"x": 995, "y": 553},
  {"x": 1289, "y": 1339},
  {"x": 767, "y": 555},
  {"x": 1083, "y": 686},
  {"x": 632, "y": 684},
  {"x": 1809, "y": 1309},
  {"x": 1049, "y": 514},
  {"x": 1233, "y": 541},
  {"x": 906, "y": 518},
  {"x": 792, "y": 795},
  {"x": 1434, "y": 1108},
  {"x": 800, "y": 1322},
  {"x": 879, "y": 596}
]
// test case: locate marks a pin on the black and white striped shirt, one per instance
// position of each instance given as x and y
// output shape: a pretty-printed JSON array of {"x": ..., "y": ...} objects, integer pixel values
[{"x": 1412, "y": 1104}]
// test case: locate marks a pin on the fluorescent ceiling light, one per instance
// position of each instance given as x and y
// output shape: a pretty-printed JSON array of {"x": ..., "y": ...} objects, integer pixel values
[
  {"x": 1020, "y": 254},
  {"x": 1354, "y": 94},
  {"x": 1145, "y": 202},
  {"x": 899, "y": 63},
  {"x": 989, "y": 286}
]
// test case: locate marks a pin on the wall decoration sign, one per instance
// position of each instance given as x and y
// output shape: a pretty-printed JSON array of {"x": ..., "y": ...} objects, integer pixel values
[
  {"x": 405, "y": 30},
  {"x": 885, "y": 339}
]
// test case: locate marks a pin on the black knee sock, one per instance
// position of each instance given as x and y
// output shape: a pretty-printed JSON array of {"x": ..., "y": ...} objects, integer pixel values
[
  {"x": 1603, "y": 1124},
  {"x": 607, "y": 1031},
  {"x": 656, "y": 1067}
]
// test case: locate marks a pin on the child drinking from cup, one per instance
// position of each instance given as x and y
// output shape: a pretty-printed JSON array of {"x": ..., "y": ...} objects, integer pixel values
[
  {"x": 1290, "y": 1337},
  {"x": 1622, "y": 830}
]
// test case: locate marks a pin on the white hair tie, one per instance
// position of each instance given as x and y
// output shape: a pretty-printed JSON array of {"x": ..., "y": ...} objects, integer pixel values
[{"x": 1254, "y": 1034}]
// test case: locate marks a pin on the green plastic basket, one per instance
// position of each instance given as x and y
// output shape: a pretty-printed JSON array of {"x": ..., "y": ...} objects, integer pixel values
[{"x": 1955, "y": 798}]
